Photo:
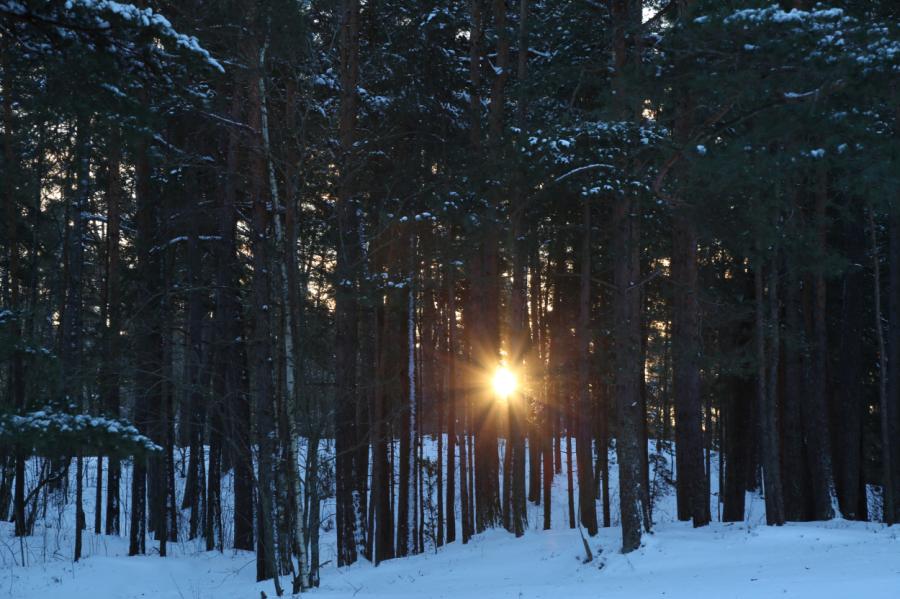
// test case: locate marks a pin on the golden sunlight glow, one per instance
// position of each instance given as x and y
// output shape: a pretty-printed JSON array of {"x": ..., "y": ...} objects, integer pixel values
[{"x": 504, "y": 382}]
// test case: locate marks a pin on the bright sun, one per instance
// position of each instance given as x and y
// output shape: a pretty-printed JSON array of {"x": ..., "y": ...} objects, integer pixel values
[{"x": 504, "y": 382}]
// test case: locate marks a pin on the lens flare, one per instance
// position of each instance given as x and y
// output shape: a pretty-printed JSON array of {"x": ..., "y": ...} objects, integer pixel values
[{"x": 504, "y": 382}]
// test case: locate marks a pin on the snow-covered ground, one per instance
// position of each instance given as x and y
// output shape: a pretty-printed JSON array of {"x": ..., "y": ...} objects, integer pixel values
[{"x": 839, "y": 559}]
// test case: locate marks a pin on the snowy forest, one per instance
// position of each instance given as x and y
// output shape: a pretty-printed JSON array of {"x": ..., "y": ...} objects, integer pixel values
[{"x": 526, "y": 298}]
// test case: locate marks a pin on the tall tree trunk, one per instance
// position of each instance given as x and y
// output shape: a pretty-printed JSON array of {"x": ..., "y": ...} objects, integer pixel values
[
  {"x": 587, "y": 501},
  {"x": 884, "y": 410},
  {"x": 110, "y": 378},
  {"x": 602, "y": 406},
  {"x": 465, "y": 486},
  {"x": 312, "y": 484},
  {"x": 626, "y": 335},
  {"x": 536, "y": 376},
  {"x": 346, "y": 308},
  {"x": 849, "y": 407},
  {"x": 260, "y": 344},
  {"x": 626, "y": 248},
  {"x": 406, "y": 446},
  {"x": 148, "y": 339},
  {"x": 893, "y": 362},
  {"x": 16, "y": 373},
  {"x": 738, "y": 416},
  {"x": 72, "y": 325},
  {"x": 193, "y": 357},
  {"x": 452, "y": 385},
  {"x": 693, "y": 502},
  {"x": 438, "y": 390},
  {"x": 160, "y": 409},
  {"x": 485, "y": 416},
  {"x": 815, "y": 416},
  {"x": 382, "y": 474},
  {"x": 292, "y": 502},
  {"x": 232, "y": 371},
  {"x": 766, "y": 398},
  {"x": 519, "y": 341},
  {"x": 795, "y": 468},
  {"x": 412, "y": 528}
]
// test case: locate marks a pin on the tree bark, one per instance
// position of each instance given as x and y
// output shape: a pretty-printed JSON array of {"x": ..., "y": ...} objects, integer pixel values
[
  {"x": 110, "y": 368},
  {"x": 16, "y": 373},
  {"x": 587, "y": 501},
  {"x": 848, "y": 407},
  {"x": 626, "y": 248},
  {"x": 346, "y": 307},
  {"x": 815, "y": 416},
  {"x": 231, "y": 367},
  {"x": 795, "y": 468},
  {"x": 693, "y": 502},
  {"x": 260, "y": 346},
  {"x": 149, "y": 341},
  {"x": 452, "y": 384},
  {"x": 893, "y": 361},
  {"x": 485, "y": 416},
  {"x": 887, "y": 485},
  {"x": 766, "y": 388}
]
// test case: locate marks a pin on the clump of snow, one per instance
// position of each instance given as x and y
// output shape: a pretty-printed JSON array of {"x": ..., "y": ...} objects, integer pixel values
[{"x": 50, "y": 428}]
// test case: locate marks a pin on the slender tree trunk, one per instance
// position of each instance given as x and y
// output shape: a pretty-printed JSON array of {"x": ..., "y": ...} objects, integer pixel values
[
  {"x": 346, "y": 308},
  {"x": 464, "y": 479},
  {"x": 194, "y": 349},
  {"x": 79, "y": 503},
  {"x": 587, "y": 501},
  {"x": 484, "y": 415},
  {"x": 71, "y": 358},
  {"x": 312, "y": 484},
  {"x": 766, "y": 397},
  {"x": 110, "y": 382},
  {"x": 603, "y": 438},
  {"x": 815, "y": 417},
  {"x": 570, "y": 481},
  {"x": 260, "y": 348},
  {"x": 452, "y": 386},
  {"x": 160, "y": 494},
  {"x": 536, "y": 376},
  {"x": 850, "y": 377},
  {"x": 231, "y": 366},
  {"x": 412, "y": 528},
  {"x": 795, "y": 470},
  {"x": 98, "y": 497},
  {"x": 406, "y": 446},
  {"x": 893, "y": 362},
  {"x": 149, "y": 340},
  {"x": 626, "y": 333},
  {"x": 382, "y": 473},
  {"x": 737, "y": 414},
  {"x": 16, "y": 373},
  {"x": 626, "y": 249},
  {"x": 438, "y": 405},
  {"x": 691, "y": 490},
  {"x": 693, "y": 502},
  {"x": 292, "y": 492},
  {"x": 887, "y": 485},
  {"x": 644, "y": 441},
  {"x": 516, "y": 403}
]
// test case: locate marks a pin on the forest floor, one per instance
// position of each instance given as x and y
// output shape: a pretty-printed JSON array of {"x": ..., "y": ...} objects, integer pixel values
[{"x": 838, "y": 559}]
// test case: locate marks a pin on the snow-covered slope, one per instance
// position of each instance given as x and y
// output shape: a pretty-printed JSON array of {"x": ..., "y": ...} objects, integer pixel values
[{"x": 837, "y": 559}]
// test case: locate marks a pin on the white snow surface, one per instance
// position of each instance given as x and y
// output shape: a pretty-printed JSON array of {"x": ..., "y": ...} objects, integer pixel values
[{"x": 839, "y": 559}]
